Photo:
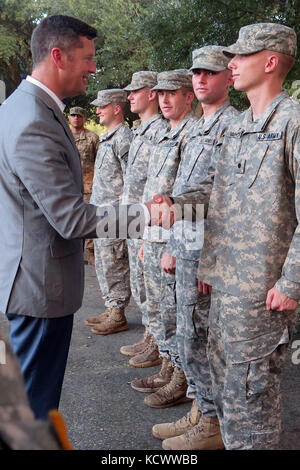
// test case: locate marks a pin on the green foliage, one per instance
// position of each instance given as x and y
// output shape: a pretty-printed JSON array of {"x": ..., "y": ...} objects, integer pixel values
[
  {"x": 138, "y": 34},
  {"x": 177, "y": 27},
  {"x": 125, "y": 48},
  {"x": 8, "y": 43},
  {"x": 17, "y": 20},
  {"x": 95, "y": 127}
]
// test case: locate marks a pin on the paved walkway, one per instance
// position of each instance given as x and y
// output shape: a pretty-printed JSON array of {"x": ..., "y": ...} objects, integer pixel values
[{"x": 101, "y": 409}]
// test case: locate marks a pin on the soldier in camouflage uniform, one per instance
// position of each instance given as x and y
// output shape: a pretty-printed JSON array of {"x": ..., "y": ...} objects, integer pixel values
[
  {"x": 111, "y": 256},
  {"x": 87, "y": 143},
  {"x": 175, "y": 98},
  {"x": 250, "y": 254},
  {"x": 199, "y": 429},
  {"x": 144, "y": 102},
  {"x": 19, "y": 430}
]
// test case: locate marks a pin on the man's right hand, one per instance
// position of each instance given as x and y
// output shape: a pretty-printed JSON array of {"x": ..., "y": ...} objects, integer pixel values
[
  {"x": 168, "y": 263},
  {"x": 161, "y": 211},
  {"x": 205, "y": 289}
]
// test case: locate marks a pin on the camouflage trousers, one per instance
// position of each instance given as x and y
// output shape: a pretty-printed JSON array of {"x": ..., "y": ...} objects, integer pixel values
[
  {"x": 191, "y": 333},
  {"x": 112, "y": 269},
  {"x": 137, "y": 283},
  {"x": 19, "y": 430},
  {"x": 246, "y": 350},
  {"x": 161, "y": 300}
]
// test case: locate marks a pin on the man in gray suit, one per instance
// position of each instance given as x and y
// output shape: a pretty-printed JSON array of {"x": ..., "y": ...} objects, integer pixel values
[
  {"x": 41, "y": 272},
  {"x": 44, "y": 217}
]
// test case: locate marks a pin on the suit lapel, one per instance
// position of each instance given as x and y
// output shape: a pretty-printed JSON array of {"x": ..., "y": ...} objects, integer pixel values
[{"x": 50, "y": 103}]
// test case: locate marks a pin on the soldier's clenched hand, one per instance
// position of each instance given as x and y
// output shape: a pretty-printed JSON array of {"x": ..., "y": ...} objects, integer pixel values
[
  {"x": 277, "y": 301},
  {"x": 204, "y": 288},
  {"x": 168, "y": 263}
]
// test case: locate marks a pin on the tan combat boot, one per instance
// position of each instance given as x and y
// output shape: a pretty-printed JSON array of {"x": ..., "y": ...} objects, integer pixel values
[
  {"x": 165, "y": 430},
  {"x": 134, "y": 349},
  {"x": 91, "y": 321},
  {"x": 171, "y": 394},
  {"x": 206, "y": 435},
  {"x": 113, "y": 323},
  {"x": 149, "y": 357},
  {"x": 155, "y": 382}
]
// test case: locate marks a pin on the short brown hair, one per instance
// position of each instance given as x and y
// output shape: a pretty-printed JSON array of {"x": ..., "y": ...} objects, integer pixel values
[
  {"x": 58, "y": 31},
  {"x": 286, "y": 63}
]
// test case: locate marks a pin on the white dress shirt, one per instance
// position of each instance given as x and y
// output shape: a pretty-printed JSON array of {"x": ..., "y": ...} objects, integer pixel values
[{"x": 36, "y": 82}]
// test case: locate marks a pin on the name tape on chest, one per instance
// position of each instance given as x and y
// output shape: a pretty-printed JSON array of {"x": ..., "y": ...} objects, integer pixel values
[
  {"x": 235, "y": 135},
  {"x": 206, "y": 140},
  {"x": 261, "y": 136},
  {"x": 269, "y": 136}
]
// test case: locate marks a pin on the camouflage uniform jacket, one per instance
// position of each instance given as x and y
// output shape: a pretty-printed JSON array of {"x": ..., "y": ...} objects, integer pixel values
[
  {"x": 110, "y": 166},
  {"x": 163, "y": 166},
  {"x": 186, "y": 237},
  {"x": 252, "y": 232},
  {"x": 144, "y": 138},
  {"x": 87, "y": 143}
]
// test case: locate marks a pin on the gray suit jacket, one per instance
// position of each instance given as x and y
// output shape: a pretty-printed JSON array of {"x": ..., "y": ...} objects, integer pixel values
[{"x": 42, "y": 212}]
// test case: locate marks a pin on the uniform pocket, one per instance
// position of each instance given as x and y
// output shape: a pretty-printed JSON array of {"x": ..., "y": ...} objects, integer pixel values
[
  {"x": 169, "y": 290},
  {"x": 124, "y": 153},
  {"x": 193, "y": 162},
  {"x": 104, "y": 153},
  {"x": 253, "y": 349},
  {"x": 196, "y": 322},
  {"x": 168, "y": 306},
  {"x": 133, "y": 153},
  {"x": 246, "y": 171},
  {"x": 255, "y": 164},
  {"x": 165, "y": 155},
  {"x": 120, "y": 250},
  {"x": 252, "y": 382},
  {"x": 117, "y": 248},
  {"x": 100, "y": 159}
]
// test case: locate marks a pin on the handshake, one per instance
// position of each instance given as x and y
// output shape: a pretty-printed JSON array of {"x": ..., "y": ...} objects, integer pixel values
[{"x": 162, "y": 211}]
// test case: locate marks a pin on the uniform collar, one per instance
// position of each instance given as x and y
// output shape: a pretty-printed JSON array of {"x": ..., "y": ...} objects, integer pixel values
[
  {"x": 144, "y": 126},
  {"x": 81, "y": 135},
  {"x": 207, "y": 124},
  {"x": 173, "y": 133},
  {"x": 109, "y": 134},
  {"x": 261, "y": 123}
]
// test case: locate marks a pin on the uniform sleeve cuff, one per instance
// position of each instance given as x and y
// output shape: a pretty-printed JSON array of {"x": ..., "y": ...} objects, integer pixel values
[{"x": 288, "y": 288}]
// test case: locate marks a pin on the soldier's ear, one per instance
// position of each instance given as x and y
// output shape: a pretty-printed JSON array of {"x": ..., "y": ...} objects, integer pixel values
[
  {"x": 271, "y": 63},
  {"x": 153, "y": 95},
  {"x": 117, "y": 109},
  {"x": 190, "y": 97}
]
